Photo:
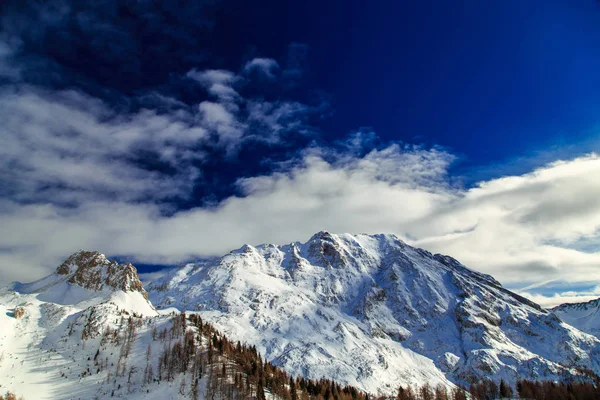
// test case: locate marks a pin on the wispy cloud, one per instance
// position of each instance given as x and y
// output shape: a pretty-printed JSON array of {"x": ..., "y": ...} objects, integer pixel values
[
  {"x": 218, "y": 83},
  {"x": 63, "y": 145},
  {"x": 74, "y": 167},
  {"x": 501, "y": 226},
  {"x": 561, "y": 297},
  {"x": 264, "y": 66}
]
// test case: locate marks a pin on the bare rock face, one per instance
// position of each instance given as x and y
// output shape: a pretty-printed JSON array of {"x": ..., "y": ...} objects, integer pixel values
[
  {"x": 19, "y": 312},
  {"x": 93, "y": 271},
  {"x": 325, "y": 250}
]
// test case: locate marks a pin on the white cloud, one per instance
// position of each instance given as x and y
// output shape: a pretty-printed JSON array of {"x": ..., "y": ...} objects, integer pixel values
[
  {"x": 222, "y": 122},
  {"x": 278, "y": 208},
  {"x": 517, "y": 228},
  {"x": 73, "y": 172},
  {"x": 563, "y": 297},
  {"x": 521, "y": 228},
  {"x": 265, "y": 66},
  {"x": 70, "y": 179},
  {"x": 218, "y": 82},
  {"x": 231, "y": 116},
  {"x": 68, "y": 144}
]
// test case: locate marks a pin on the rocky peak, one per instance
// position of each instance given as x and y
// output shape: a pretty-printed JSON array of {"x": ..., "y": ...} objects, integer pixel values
[
  {"x": 325, "y": 250},
  {"x": 82, "y": 258},
  {"x": 583, "y": 316},
  {"x": 93, "y": 271}
]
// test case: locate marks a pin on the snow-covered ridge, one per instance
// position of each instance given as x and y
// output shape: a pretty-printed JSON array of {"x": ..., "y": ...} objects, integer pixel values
[
  {"x": 583, "y": 316},
  {"x": 585, "y": 306},
  {"x": 46, "y": 324},
  {"x": 374, "y": 312},
  {"x": 90, "y": 270},
  {"x": 365, "y": 310}
]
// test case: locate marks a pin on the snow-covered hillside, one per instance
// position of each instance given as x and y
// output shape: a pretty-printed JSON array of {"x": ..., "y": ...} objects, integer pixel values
[
  {"x": 374, "y": 312},
  {"x": 583, "y": 316},
  {"x": 368, "y": 311},
  {"x": 62, "y": 337}
]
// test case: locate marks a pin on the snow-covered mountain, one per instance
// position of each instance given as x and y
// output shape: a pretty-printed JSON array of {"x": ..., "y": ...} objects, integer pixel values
[
  {"x": 88, "y": 331},
  {"x": 371, "y": 311},
  {"x": 51, "y": 329},
  {"x": 583, "y": 316},
  {"x": 365, "y": 310}
]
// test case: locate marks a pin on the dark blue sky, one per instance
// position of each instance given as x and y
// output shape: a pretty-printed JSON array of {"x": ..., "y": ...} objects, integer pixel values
[{"x": 491, "y": 81}]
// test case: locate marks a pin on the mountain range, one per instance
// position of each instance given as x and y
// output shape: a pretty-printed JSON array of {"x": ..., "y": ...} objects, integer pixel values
[{"x": 365, "y": 310}]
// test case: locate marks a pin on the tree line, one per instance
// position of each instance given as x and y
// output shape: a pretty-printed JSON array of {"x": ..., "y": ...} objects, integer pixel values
[
  {"x": 193, "y": 349},
  {"x": 490, "y": 390},
  {"x": 233, "y": 370},
  {"x": 236, "y": 371}
]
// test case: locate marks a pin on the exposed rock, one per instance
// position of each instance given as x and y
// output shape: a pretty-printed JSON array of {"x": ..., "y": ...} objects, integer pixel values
[
  {"x": 91, "y": 270},
  {"x": 19, "y": 312}
]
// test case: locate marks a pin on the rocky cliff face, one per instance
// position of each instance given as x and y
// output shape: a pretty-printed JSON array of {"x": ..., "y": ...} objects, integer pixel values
[
  {"x": 372, "y": 311},
  {"x": 91, "y": 270}
]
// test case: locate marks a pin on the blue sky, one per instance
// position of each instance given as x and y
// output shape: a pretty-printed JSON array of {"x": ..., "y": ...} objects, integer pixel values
[{"x": 161, "y": 132}]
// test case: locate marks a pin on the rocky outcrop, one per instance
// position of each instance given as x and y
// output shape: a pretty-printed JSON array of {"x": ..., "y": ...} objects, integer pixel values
[
  {"x": 19, "y": 312},
  {"x": 93, "y": 271}
]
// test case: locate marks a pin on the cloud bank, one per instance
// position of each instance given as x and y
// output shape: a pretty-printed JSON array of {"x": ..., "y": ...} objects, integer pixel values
[
  {"x": 125, "y": 167},
  {"x": 67, "y": 187}
]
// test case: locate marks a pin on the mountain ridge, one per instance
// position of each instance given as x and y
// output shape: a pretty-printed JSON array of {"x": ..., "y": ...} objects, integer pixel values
[
  {"x": 584, "y": 316},
  {"x": 357, "y": 307},
  {"x": 365, "y": 310}
]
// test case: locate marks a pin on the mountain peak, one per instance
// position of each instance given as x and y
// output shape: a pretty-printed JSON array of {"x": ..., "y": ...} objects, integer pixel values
[
  {"x": 357, "y": 307},
  {"x": 93, "y": 271},
  {"x": 595, "y": 303},
  {"x": 81, "y": 258},
  {"x": 322, "y": 235}
]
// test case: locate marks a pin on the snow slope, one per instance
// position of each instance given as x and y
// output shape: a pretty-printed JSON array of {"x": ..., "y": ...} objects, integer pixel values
[
  {"x": 364, "y": 310},
  {"x": 374, "y": 312},
  {"x": 583, "y": 316},
  {"x": 51, "y": 329}
]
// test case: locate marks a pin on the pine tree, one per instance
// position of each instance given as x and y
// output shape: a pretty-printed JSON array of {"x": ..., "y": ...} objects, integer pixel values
[
  {"x": 459, "y": 393},
  {"x": 194, "y": 392},
  {"x": 182, "y": 387},
  {"x": 440, "y": 392},
  {"x": 148, "y": 352},
  {"x": 505, "y": 390},
  {"x": 293, "y": 392},
  {"x": 260, "y": 390}
]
